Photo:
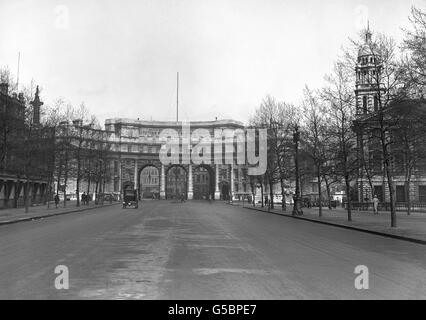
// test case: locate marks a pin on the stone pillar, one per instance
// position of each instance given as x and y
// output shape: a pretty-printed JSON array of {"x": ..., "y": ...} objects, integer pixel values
[
  {"x": 136, "y": 175},
  {"x": 231, "y": 187},
  {"x": 216, "y": 185},
  {"x": 163, "y": 183},
  {"x": 120, "y": 187},
  {"x": 190, "y": 187},
  {"x": 135, "y": 178}
]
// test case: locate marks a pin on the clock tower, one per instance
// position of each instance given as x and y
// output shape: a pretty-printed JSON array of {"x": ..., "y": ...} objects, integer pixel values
[{"x": 368, "y": 69}]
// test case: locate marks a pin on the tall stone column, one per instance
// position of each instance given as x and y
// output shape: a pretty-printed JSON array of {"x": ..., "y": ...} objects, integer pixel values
[
  {"x": 231, "y": 187},
  {"x": 120, "y": 179},
  {"x": 190, "y": 186},
  {"x": 135, "y": 178},
  {"x": 216, "y": 185},
  {"x": 163, "y": 183}
]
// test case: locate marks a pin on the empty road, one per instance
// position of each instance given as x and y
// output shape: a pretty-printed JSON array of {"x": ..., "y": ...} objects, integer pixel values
[{"x": 197, "y": 250}]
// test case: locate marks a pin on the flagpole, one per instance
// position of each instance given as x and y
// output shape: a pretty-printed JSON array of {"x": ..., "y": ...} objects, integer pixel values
[{"x": 177, "y": 98}]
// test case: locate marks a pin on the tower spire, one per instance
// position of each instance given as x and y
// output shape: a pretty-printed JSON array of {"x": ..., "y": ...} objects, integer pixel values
[
  {"x": 368, "y": 32},
  {"x": 36, "y": 103}
]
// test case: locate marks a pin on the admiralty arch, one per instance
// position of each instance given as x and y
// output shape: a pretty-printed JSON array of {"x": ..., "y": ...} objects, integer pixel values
[{"x": 135, "y": 161}]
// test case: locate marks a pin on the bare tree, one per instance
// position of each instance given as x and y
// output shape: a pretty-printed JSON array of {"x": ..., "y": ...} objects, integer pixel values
[
  {"x": 82, "y": 128},
  {"x": 414, "y": 45},
  {"x": 64, "y": 150},
  {"x": 386, "y": 77},
  {"x": 338, "y": 94},
  {"x": 297, "y": 206},
  {"x": 315, "y": 137},
  {"x": 51, "y": 118},
  {"x": 277, "y": 118}
]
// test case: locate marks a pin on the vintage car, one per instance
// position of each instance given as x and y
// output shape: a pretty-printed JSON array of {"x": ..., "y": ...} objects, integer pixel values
[{"x": 130, "y": 198}]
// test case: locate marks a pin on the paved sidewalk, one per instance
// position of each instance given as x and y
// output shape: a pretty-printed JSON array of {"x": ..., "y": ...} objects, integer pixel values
[
  {"x": 14, "y": 215},
  {"x": 411, "y": 228}
]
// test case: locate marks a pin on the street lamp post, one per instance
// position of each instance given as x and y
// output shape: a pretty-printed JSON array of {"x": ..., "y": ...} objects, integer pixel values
[{"x": 296, "y": 138}]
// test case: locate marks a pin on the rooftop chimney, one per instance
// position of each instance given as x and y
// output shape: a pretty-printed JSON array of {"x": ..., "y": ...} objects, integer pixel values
[{"x": 4, "y": 88}]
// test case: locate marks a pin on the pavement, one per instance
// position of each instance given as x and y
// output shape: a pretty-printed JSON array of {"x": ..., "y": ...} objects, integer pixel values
[
  {"x": 409, "y": 227},
  {"x": 14, "y": 215},
  {"x": 197, "y": 250}
]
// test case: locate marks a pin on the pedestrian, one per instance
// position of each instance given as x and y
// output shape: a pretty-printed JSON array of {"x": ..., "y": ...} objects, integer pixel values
[
  {"x": 376, "y": 204},
  {"x": 83, "y": 198},
  {"x": 56, "y": 200}
]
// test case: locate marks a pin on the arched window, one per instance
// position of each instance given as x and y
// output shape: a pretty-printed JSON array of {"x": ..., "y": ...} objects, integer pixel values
[{"x": 364, "y": 104}]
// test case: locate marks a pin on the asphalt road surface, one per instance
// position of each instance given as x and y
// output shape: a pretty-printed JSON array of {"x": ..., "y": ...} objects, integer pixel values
[{"x": 197, "y": 250}]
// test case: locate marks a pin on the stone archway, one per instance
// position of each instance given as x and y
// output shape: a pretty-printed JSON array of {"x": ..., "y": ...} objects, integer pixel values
[
  {"x": 149, "y": 182},
  {"x": 224, "y": 190},
  {"x": 176, "y": 182},
  {"x": 203, "y": 178}
]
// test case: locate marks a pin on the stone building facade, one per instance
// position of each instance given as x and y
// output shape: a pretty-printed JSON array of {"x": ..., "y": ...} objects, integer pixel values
[
  {"x": 12, "y": 129},
  {"x": 135, "y": 158},
  {"x": 371, "y": 179}
]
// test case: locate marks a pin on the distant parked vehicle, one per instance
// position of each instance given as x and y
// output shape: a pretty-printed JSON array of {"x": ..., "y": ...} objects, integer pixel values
[{"x": 130, "y": 198}]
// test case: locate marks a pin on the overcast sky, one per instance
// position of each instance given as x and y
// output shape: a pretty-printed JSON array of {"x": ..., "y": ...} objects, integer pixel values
[{"x": 121, "y": 57}]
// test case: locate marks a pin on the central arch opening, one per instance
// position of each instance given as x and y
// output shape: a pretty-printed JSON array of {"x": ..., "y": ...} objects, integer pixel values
[
  {"x": 176, "y": 182},
  {"x": 203, "y": 182},
  {"x": 224, "y": 190}
]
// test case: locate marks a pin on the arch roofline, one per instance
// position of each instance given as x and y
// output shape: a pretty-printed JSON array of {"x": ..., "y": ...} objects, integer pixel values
[{"x": 172, "y": 124}]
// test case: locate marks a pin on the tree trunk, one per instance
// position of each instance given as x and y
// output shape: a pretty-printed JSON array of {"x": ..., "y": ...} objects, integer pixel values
[
  {"x": 327, "y": 186},
  {"x": 348, "y": 198},
  {"x": 271, "y": 195},
  {"x": 391, "y": 196},
  {"x": 59, "y": 177},
  {"x": 65, "y": 190},
  {"x": 78, "y": 181},
  {"x": 96, "y": 191},
  {"x": 387, "y": 169},
  {"x": 77, "y": 191},
  {"x": 407, "y": 190},
  {"x": 283, "y": 202},
  {"x": 26, "y": 198},
  {"x": 49, "y": 190},
  {"x": 253, "y": 192},
  {"x": 319, "y": 191},
  {"x": 370, "y": 182}
]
